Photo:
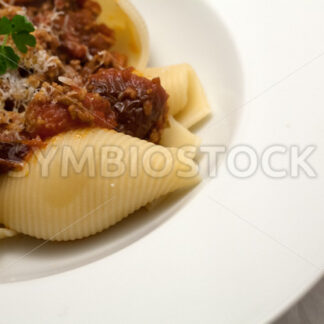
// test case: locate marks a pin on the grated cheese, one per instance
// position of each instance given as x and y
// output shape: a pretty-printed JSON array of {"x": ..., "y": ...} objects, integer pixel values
[
  {"x": 20, "y": 90},
  {"x": 17, "y": 89},
  {"x": 49, "y": 26},
  {"x": 40, "y": 61}
]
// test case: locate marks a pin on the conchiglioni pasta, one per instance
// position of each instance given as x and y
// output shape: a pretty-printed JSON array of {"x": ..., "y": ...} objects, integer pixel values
[
  {"x": 73, "y": 205},
  {"x": 130, "y": 29},
  {"x": 94, "y": 135},
  {"x": 188, "y": 102},
  {"x": 176, "y": 135}
]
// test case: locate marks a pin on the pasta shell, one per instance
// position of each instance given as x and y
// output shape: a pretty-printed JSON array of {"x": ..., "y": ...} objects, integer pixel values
[
  {"x": 131, "y": 33},
  {"x": 188, "y": 102},
  {"x": 178, "y": 136},
  {"x": 62, "y": 202}
]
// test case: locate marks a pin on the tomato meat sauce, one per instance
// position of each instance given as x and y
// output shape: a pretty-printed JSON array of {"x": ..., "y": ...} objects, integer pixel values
[{"x": 86, "y": 84}]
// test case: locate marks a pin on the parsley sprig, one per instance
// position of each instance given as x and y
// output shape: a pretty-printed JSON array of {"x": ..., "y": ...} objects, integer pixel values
[{"x": 19, "y": 29}]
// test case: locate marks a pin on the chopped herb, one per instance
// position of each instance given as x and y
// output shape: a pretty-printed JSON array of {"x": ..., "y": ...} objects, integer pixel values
[{"x": 19, "y": 29}]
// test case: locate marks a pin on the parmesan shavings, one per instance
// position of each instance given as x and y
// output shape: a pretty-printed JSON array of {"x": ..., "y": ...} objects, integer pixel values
[
  {"x": 16, "y": 89},
  {"x": 20, "y": 91},
  {"x": 40, "y": 61},
  {"x": 49, "y": 25},
  {"x": 68, "y": 81}
]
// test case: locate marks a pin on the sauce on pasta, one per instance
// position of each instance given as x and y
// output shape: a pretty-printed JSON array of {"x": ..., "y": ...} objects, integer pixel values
[{"x": 72, "y": 79}]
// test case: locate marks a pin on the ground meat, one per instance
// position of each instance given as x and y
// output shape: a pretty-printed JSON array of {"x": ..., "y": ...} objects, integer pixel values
[
  {"x": 72, "y": 79},
  {"x": 101, "y": 60},
  {"x": 114, "y": 99},
  {"x": 69, "y": 30},
  {"x": 100, "y": 110},
  {"x": 78, "y": 36},
  {"x": 140, "y": 104},
  {"x": 11, "y": 125},
  {"x": 66, "y": 110},
  {"x": 25, "y": 2},
  {"x": 47, "y": 119},
  {"x": 81, "y": 35}
]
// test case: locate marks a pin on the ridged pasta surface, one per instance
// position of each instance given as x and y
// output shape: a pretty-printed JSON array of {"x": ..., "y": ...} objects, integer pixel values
[{"x": 67, "y": 204}]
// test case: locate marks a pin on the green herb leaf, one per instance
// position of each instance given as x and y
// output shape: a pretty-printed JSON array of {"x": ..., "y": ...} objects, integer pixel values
[
  {"x": 19, "y": 28},
  {"x": 23, "y": 39},
  {"x": 21, "y": 24},
  {"x": 12, "y": 58},
  {"x": 5, "y": 26},
  {"x": 8, "y": 59},
  {"x": 3, "y": 65}
]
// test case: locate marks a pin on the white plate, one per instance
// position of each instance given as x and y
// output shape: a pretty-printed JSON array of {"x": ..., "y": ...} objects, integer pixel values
[{"x": 231, "y": 251}]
